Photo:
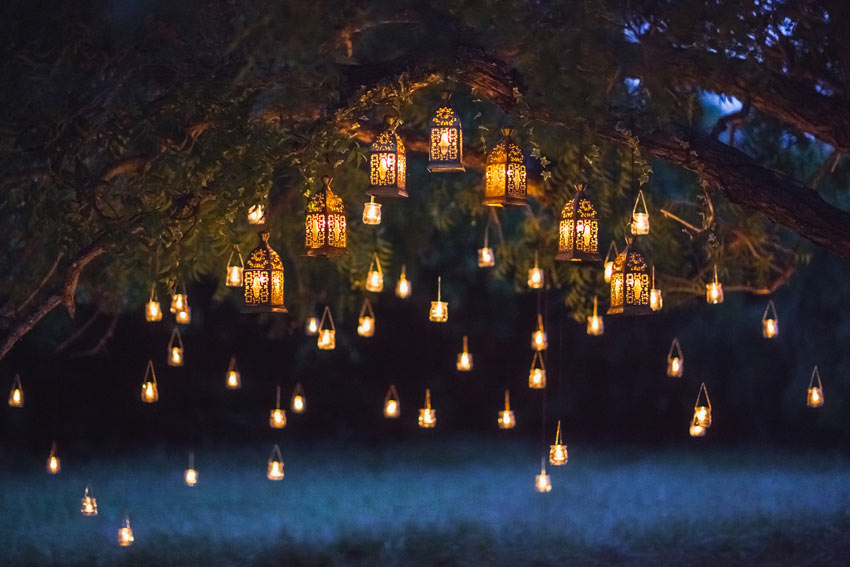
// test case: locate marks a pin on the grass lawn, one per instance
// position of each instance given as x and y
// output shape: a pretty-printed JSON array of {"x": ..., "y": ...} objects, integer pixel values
[{"x": 461, "y": 502}]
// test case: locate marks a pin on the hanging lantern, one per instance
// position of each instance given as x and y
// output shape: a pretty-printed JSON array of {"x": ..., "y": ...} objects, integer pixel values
[
  {"x": 402, "y": 287},
  {"x": 640, "y": 216},
  {"x": 275, "y": 467},
  {"x": 325, "y": 230},
  {"x": 125, "y": 533},
  {"x": 372, "y": 212},
  {"x": 558, "y": 452},
  {"x": 630, "y": 282},
  {"x": 311, "y": 328},
  {"x": 537, "y": 374},
  {"x": 233, "y": 278},
  {"x": 486, "y": 257},
  {"x": 88, "y": 506},
  {"x": 578, "y": 231},
  {"x": 366, "y": 321},
  {"x": 536, "y": 278},
  {"x": 702, "y": 414},
  {"x": 16, "y": 394},
  {"x": 54, "y": 465},
  {"x": 179, "y": 299},
  {"x": 769, "y": 321},
  {"x": 595, "y": 324},
  {"x": 655, "y": 300},
  {"x": 505, "y": 174},
  {"x": 464, "y": 359},
  {"x": 257, "y": 214},
  {"x": 427, "y": 416},
  {"x": 714, "y": 290},
  {"x": 150, "y": 392},
  {"x": 299, "y": 401},
  {"x": 184, "y": 316},
  {"x": 814, "y": 398},
  {"x": 375, "y": 277},
  {"x": 233, "y": 379},
  {"x": 675, "y": 360},
  {"x": 439, "y": 312},
  {"x": 277, "y": 416},
  {"x": 175, "y": 349},
  {"x": 445, "y": 152},
  {"x": 538, "y": 338},
  {"x": 262, "y": 280},
  {"x": 542, "y": 482},
  {"x": 387, "y": 164},
  {"x": 153, "y": 312},
  {"x": 506, "y": 417},
  {"x": 391, "y": 403},
  {"x": 190, "y": 477},
  {"x": 609, "y": 262},
  {"x": 327, "y": 337}
]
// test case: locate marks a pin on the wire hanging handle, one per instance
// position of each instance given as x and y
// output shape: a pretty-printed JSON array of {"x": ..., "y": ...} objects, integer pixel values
[
  {"x": 678, "y": 349},
  {"x": 770, "y": 308},
  {"x": 703, "y": 390},
  {"x": 277, "y": 398},
  {"x": 175, "y": 334},
  {"x": 367, "y": 309},
  {"x": 558, "y": 434},
  {"x": 507, "y": 400},
  {"x": 275, "y": 456},
  {"x": 640, "y": 200},
  {"x": 238, "y": 255},
  {"x": 150, "y": 372},
  {"x": 376, "y": 261},
  {"x": 327, "y": 313},
  {"x": 392, "y": 394},
  {"x": 428, "y": 398},
  {"x": 815, "y": 374},
  {"x": 537, "y": 358},
  {"x": 439, "y": 286},
  {"x": 465, "y": 347}
]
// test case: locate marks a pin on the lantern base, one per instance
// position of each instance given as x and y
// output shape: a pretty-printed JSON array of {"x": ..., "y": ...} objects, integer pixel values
[
  {"x": 263, "y": 309},
  {"x": 578, "y": 256},
  {"x": 444, "y": 167},
  {"x": 505, "y": 201},
  {"x": 630, "y": 310},
  {"x": 325, "y": 251},
  {"x": 387, "y": 192}
]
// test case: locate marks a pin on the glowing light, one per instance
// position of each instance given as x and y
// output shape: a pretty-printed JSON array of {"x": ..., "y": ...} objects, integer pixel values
[
  {"x": 427, "y": 416},
  {"x": 125, "y": 534},
  {"x": 233, "y": 276},
  {"x": 714, "y": 290},
  {"x": 88, "y": 505},
  {"x": 538, "y": 338},
  {"x": 190, "y": 476},
  {"x": 486, "y": 259},
  {"x": 184, "y": 317},
  {"x": 372, "y": 212},
  {"x": 506, "y": 417},
  {"x": 814, "y": 395},
  {"x": 769, "y": 321},
  {"x": 150, "y": 392},
  {"x": 175, "y": 349},
  {"x": 537, "y": 373},
  {"x": 702, "y": 414},
  {"x": 233, "y": 378},
  {"x": 640, "y": 218},
  {"x": 542, "y": 482},
  {"x": 558, "y": 452},
  {"x": 366, "y": 321},
  {"x": 439, "y": 311},
  {"x": 375, "y": 277},
  {"x": 274, "y": 471},
  {"x": 464, "y": 359},
  {"x": 153, "y": 312},
  {"x": 535, "y": 275},
  {"x": 299, "y": 401},
  {"x": 16, "y": 394},
  {"x": 257, "y": 214},
  {"x": 595, "y": 324},
  {"x": 327, "y": 336},
  {"x": 392, "y": 407},
  {"x": 312, "y": 326},
  {"x": 675, "y": 360}
]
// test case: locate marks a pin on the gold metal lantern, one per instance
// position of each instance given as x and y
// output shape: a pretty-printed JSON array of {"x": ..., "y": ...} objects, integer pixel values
[
  {"x": 640, "y": 216},
  {"x": 88, "y": 505},
  {"x": 542, "y": 482},
  {"x": 464, "y": 358},
  {"x": 298, "y": 403},
  {"x": 630, "y": 282},
  {"x": 403, "y": 288},
  {"x": 536, "y": 277},
  {"x": 325, "y": 233},
  {"x": 190, "y": 475},
  {"x": 445, "y": 148},
  {"x": 257, "y": 214},
  {"x": 769, "y": 321},
  {"x": 125, "y": 533},
  {"x": 656, "y": 302},
  {"x": 327, "y": 335},
  {"x": 439, "y": 312},
  {"x": 277, "y": 416},
  {"x": 311, "y": 327},
  {"x": 150, "y": 392},
  {"x": 175, "y": 348},
  {"x": 537, "y": 373},
  {"x": 366, "y": 321},
  {"x": 578, "y": 230},
  {"x": 392, "y": 406},
  {"x": 153, "y": 312},
  {"x": 702, "y": 413},
  {"x": 387, "y": 164},
  {"x": 233, "y": 277},
  {"x": 714, "y": 290},
  {"x": 608, "y": 264},
  {"x": 595, "y": 324},
  {"x": 375, "y": 275},
  {"x": 558, "y": 452},
  {"x": 506, "y": 416},
  {"x": 505, "y": 180},
  {"x": 814, "y": 396},
  {"x": 54, "y": 464},
  {"x": 372, "y": 212},
  {"x": 262, "y": 280},
  {"x": 233, "y": 378},
  {"x": 427, "y": 416},
  {"x": 539, "y": 340},
  {"x": 675, "y": 360},
  {"x": 274, "y": 470},
  {"x": 16, "y": 394}
]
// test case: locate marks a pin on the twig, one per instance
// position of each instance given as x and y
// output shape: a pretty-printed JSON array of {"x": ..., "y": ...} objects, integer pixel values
[
  {"x": 828, "y": 166},
  {"x": 734, "y": 118},
  {"x": 98, "y": 348},
  {"x": 78, "y": 333},
  {"x": 37, "y": 289},
  {"x": 680, "y": 220}
]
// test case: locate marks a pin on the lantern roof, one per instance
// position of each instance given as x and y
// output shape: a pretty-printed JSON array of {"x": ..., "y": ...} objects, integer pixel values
[
  {"x": 325, "y": 200},
  {"x": 388, "y": 141},
  {"x": 506, "y": 151},
  {"x": 445, "y": 117},
  {"x": 630, "y": 259},
  {"x": 579, "y": 207},
  {"x": 263, "y": 257}
]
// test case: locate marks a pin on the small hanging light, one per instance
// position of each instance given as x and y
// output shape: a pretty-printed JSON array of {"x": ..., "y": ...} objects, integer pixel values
[
  {"x": 538, "y": 338},
  {"x": 88, "y": 506},
  {"x": 387, "y": 163},
  {"x": 506, "y": 416},
  {"x": 325, "y": 231},
  {"x": 439, "y": 312},
  {"x": 257, "y": 214},
  {"x": 402, "y": 286},
  {"x": 150, "y": 392},
  {"x": 486, "y": 257},
  {"x": 464, "y": 359},
  {"x": 558, "y": 452},
  {"x": 179, "y": 299},
  {"x": 274, "y": 470},
  {"x": 375, "y": 276},
  {"x": 299, "y": 401},
  {"x": 536, "y": 278},
  {"x": 184, "y": 316},
  {"x": 391, "y": 403},
  {"x": 814, "y": 397},
  {"x": 125, "y": 533},
  {"x": 675, "y": 360},
  {"x": 153, "y": 312},
  {"x": 609, "y": 262},
  {"x": 630, "y": 282},
  {"x": 655, "y": 300},
  {"x": 262, "y": 280},
  {"x": 327, "y": 337},
  {"x": 233, "y": 378},
  {"x": 311, "y": 328},
  {"x": 445, "y": 151},
  {"x": 190, "y": 476},
  {"x": 714, "y": 290},
  {"x": 537, "y": 374},
  {"x": 233, "y": 278},
  {"x": 277, "y": 416},
  {"x": 542, "y": 482},
  {"x": 505, "y": 174},
  {"x": 372, "y": 212},
  {"x": 702, "y": 414},
  {"x": 640, "y": 216},
  {"x": 769, "y": 321},
  {"x": 16, "y": 394},
  {"x": 427, "y": 416},
  {"x": 54, "y": 464},
  {"x": 578, "y": 231},
  {"x": 175, "y": 349},
  {"x": 366, "y": 321},
  {"x": 595, "y": 324}
]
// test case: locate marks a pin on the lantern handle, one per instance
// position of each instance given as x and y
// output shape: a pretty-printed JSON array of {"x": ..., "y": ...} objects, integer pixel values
[
  {"x": 366, "y": 309},
  {"x": 770, "y": 308},
  {"x": 815, "y": 374},
  {"x": 232, "y": 366},
  {"x": 298, "y": 390},
  {"x": 677, "y": 348},
  {"x": 275, "y": 456},
  {"x": 612, "y": 247},
  {"x": 153, "y": 292},
  {"x": 392, "y": 394},
  {"x": 594, "y": 306},
  {"x": 149, "y": 371},
  {"x": 427, "y": 398},
  {"x": 16, "y": 382},
  {"x": 465, "y": 345},
  {"x": 277, "y": 398},
  {"x": 507, "y": 400},
  {"x": 703, "y": 389},
  {"x": 640, "y": 199},
  {"x": 439, "y": 286},
  {"x": 175, "y": 334},
  {"x": 539, "y": 359},
  {"x": 238, "y": 255},
  {"x": 558, "y": 434},
  {"x": 191, "y": 460},
  {"x": 327, "y": 313}
]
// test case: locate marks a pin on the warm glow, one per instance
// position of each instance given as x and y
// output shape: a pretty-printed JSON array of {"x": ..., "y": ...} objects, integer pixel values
[
  {"x": 655, "y": 300},
  {"x": 444, "y": 144},
  {"x": 696, "y": 430},
  {"x": 595, "y": 326},
  {"x": 815, "y": 397},
  {"x": 178, "y": 302},
  {"x": 88, "y": 506},
  {"x": 506, "y": 419},
  {"x": 257, "y": 214},
  {"x": 233, "y": 379},
  {"x": 277, "y": 419},
  {"x": 535, "y": 278},
  {"x": 275, "y": 466},
  {"x": 439, "y": 311},
  {"x": 674, "y": 367},
  {"x": 770, "y": 328},
  {"x": 542, "y": 482},
  {"x": 191, "y": 477},
  {"x": 152, "y": 311},
  {"x": 427, "y": 416},
  {"x": 609, "y": 270},
  {"x": 366, "y": 326},
  {"x": 234, "y": 276},
  {"x": 125, "y": 534},
  {"x": 558, "y": 455},
  {"x": 537, "y": 378},
  {"x": 176, "y": 358},
  {"x": 53, "y": 464},
  {"x": 312, "y": 326},
  {"x": 538, "y": 340},
  {"x": 372, "y": 212},
  {"x": 298, "y": 403},
  {"x": 402, "y": 287},
  {"x": 486, "y": 259},
  {"x": 640, "y": 223},
  {"x": 464, "y": 362},
  {"x": 16, "y": 395},
  {"x": 382, "y": 169},
  {"x": 184, "y": 317},
  {"x": 149, "y": 392},
  {"x": 327, "y": 339},
  {"x": 375, "y": 281},
  {"x": 391, "y": 408},
  {"x": 714, "y": 293},
  {"x": 702, "y": 416}
]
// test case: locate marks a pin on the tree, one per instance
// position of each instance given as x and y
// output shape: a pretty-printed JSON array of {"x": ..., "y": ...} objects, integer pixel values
[{"x": 136, "y": 138}]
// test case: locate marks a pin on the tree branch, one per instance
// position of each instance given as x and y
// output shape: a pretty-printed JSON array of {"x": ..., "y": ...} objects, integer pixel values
[{"x": 79, "y": 332}]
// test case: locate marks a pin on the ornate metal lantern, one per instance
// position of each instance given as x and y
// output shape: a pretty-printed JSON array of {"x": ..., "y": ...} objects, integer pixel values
[
  {"x": 88, "y": 505},
  {"x": 387, "y": 164},
  {"x": 262, "y": 287},
  {"x": 427, "y": 416},
  {"x": 277, "y": 416},
  {"x": 233, "y": 277},
  {"x": 439, "y": 311},
  {"x": 506, "y": 416},
  {"x": 538, "y": 337},
  {"x": 402, "y": 286},
  {"x": 714, "y": 290},
  {"x": 464, "y": 358},
  {"x": 558, "y": 452},
  {"x": 274, "y": 470},
  {"x": 640, "y": 216},
  {"x": 125, "y": 533},
  {"x": 190, "y": 476},
  {"x": 325, "y": 231},
  {"x": 327, "y": 336},
  {"x": 609, "y": 262},
  {"x": 153, "y": 312},
  {"x": 366, "y": 321},
  {"x": 578, "y": 231},
  {"x": 702, "y": 414},
  {"x": 630, "y": 282},
  {"x": 675, "y": 360},
  {"x": 537, "y": 374},
  {"x": 595, "y": 324},
  {"x": 54, "y": 464},
  {"x": 175, "y": 348},
  {"x": 16, "y": 394},
  {"x": 505, "y": 174},
  {"x": 769, "y": 321},
  {"x": 536, "y": 277},
  {"x": 542, "y": 482},
  {"x": 372, "y": 212},
  {"x": 656, "y": 302},
  {"x": 814, "y": 397},
  {"x": 299, "y": 401},
  {"x": 150, "y": 392},
  {"x": 445, "y": 150},
  {"x": 375, "y": 275},
  {"x": 392, "y": 407},
  {"x": 233, "y": 378}
]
